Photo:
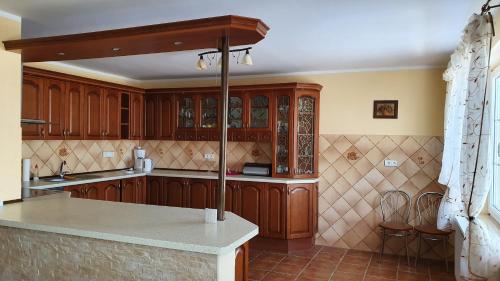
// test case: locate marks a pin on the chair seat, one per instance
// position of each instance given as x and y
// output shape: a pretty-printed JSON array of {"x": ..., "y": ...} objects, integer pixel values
[
  {"x": 396, "y": 226},
  {"x": 432, "y": 230}
]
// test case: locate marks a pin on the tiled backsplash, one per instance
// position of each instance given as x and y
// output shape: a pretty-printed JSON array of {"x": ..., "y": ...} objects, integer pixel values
[
  {"x": 353, "y": 176},
  {"x": 86, "y": 156}
]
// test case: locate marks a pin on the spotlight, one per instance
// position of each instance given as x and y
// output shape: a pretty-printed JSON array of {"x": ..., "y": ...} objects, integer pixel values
[
  {"x": 201, "y": 64},
  {"x": 247, "y": 59}
]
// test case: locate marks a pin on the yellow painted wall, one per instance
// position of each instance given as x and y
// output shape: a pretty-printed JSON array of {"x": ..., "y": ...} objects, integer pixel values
[
  {"x": 10, "y": 113},
  {"x": 347, "y": 99}
]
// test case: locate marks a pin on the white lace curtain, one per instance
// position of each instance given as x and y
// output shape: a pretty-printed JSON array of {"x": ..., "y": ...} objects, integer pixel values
[{"x": 466, "y": 157}]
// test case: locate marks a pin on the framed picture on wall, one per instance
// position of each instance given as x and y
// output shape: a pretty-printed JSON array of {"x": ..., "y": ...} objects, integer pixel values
[{"x": 385, "y": 109}]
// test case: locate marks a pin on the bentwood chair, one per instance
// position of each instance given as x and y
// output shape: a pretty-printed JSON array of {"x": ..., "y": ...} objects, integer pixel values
[
  {"x": 427, "y": 211},
  {"x": 395, "y": 206}
]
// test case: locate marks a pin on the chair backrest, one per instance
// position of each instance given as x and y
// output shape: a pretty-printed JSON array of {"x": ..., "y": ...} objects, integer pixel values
[
  {"x": 395, "y": 206},
  {"x": 428, "y": 206}
]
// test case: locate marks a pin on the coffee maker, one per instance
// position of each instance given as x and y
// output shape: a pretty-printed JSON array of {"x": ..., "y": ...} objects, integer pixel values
[{"x": 139, "y": 155}]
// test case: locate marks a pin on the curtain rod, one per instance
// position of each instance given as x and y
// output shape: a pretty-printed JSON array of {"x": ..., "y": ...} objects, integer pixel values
[{"x": 486, "y": 7}]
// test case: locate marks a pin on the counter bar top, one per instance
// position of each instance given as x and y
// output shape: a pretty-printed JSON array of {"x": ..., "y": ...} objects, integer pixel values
[
  {"x": 157, "y": 226},
  {"x": 123, "y": 174}
]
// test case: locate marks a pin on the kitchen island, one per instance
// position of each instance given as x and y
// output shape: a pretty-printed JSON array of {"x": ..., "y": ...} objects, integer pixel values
[{"x": 95, "y": 240}]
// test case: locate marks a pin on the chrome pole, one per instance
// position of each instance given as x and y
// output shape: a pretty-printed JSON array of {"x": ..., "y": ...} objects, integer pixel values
[{"x": 221, "y": 203}]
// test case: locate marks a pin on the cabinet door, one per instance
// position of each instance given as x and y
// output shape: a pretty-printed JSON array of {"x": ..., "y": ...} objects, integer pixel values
[
  {"x": 93, "y": 111},
  {"x": 128, "y": 190},
  {"x": 260, "y": 110},
  {"x": 236, "y": 116},
  {"x": 112, "y": 120},
  {"x": 275, "y": 211},
  {"x": 198, "y": 194},
  {"x": 242, "y": 255},
  {"x": 165, "y": 117},
  {"x": 283, "y": 133},
  {"x": 74, "y": 111},
  {"x": 155, "y": 191},
  {"x": 250, "y": 201},
  {"x": 92, "y": 191},
  {"x": 173, "y": 189},
  {"x": 54, "y": 108},
  {"x": 209, "y": 108},
  {"x": 109, "y": 190},
  {"x": 300, "y": 211},
  {"x": 141, "y": 191},
  {"x": 136, "y": 116},
  {"x": 150, "y": 116},
  {"x": 77, "y": 191},
  {"x": 32, "y": 106},
  {"x": 230, "y": 200},
  {"x": 186, "y": 117},
  {"x": 306, "y": 144}
]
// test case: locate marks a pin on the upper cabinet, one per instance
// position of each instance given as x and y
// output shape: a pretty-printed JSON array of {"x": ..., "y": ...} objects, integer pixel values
[
  {"x": 32, "y": 106},
  {"x": 76, "y": 108},
  {"x": 158, "y": 117}
]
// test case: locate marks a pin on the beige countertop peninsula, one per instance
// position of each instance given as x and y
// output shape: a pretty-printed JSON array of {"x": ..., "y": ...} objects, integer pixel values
[{"x": 123, "y": 174}]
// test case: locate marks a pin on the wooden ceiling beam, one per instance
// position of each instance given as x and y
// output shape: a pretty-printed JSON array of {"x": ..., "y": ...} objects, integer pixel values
[{"x": 159, "y": 38}]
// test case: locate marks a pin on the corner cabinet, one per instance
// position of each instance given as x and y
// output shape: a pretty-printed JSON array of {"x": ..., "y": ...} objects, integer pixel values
[{"x": 296, "y": 127}]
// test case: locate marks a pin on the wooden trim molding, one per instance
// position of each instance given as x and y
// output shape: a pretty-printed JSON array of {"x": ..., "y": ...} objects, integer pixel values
[
  {"x": 159, "y": 38},
  {"x": 277, "y": 86},
  {"x": 79, "y": 79}
]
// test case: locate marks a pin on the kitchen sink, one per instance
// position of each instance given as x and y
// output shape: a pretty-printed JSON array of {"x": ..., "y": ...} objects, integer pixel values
[{"x": 72, "y": 178}]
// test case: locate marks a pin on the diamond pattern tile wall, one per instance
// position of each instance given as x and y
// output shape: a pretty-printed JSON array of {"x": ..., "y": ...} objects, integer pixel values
[{"x": 352, "y": 177}]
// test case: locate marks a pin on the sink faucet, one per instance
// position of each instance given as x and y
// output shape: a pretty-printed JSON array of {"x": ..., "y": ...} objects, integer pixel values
[{"x": 62, "y": 173}]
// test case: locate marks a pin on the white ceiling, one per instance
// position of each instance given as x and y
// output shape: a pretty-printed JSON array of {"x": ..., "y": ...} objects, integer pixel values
[{"x": 305, "y": 35}]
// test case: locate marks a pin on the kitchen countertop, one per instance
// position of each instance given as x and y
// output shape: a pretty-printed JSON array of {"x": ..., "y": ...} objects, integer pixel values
[
  {"x": 123, "y": 174},
  {"x": 157, "y": 226}
]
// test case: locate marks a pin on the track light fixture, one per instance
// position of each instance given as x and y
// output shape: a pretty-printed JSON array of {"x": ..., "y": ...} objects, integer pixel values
[{"x": 202, "y": 65}]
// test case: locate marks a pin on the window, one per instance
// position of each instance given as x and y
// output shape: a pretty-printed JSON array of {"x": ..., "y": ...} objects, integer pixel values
[{"x": 494, "y": 206}]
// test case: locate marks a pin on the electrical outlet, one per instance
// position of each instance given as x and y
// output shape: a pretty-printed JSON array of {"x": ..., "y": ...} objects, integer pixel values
[
  {"x": 108, "y": 154},
  {"x": 390, "y": 163},
  {"x": 209, "y": 156}
]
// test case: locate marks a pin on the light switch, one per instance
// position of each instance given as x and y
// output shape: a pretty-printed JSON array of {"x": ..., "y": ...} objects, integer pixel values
[
  {"x": 108, "y": 154},
  {"x": 390, "y": 163},
  {"x": 209, "y": 156}
]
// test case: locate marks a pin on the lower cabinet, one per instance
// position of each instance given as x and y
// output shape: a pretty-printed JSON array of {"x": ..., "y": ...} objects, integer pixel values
[
  {"x": 242, "y": 255},
  {"x": 131, "y": 190}
]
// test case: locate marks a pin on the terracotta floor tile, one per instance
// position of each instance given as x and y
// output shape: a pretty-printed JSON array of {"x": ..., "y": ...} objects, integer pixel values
[
  {"x": 295, "y": 260},
  {"x": 274, "y": 276},
  {"x": 353, "y": 268},
  {"x": 389, "y": 273},
  {"x": 262, "y": 265},
  {"x": 255, "y": 274},
  {"x": 358, "y": 253},
  {"x": 329, "y": 256},
  {"x": 288, "y": 269},
  {"x": 377, "y": 278},
  {"x": 361, "y": 260},
  {"x": 305, "y": 278},
  {"x": 421, "y": 268},
  {"x": 323, "y": 263},
  {"x": 319, "y": 273},
  {"x": 273, "y": 257},
  {"x": 342, "y": 276},
  {"x": 406, "y": 276}
]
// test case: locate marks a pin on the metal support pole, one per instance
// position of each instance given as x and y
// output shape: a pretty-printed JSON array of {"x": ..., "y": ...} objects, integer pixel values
[{"x": 221, "y": 203}]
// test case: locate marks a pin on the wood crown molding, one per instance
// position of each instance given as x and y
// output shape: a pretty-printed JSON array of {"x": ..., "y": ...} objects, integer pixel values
[
  {"x": 73, "y": 78},
  {"x": 302, "y": 86}
]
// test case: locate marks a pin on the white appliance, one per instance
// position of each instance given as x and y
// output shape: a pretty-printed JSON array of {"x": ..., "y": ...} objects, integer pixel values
[
  {"x": 139, "y": 155},
  {"x": 148, "y": 165}
]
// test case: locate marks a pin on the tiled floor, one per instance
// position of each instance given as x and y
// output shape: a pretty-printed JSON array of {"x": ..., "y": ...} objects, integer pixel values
[{"x": 326, "y": 263}]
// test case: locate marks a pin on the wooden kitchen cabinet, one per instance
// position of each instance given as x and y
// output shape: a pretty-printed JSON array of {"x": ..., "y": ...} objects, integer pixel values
[
  {"x": 158, "y": 117},
  {"x": 77, "y": 191},
  {"x": 174, "y": 189},
  {"x": 111, "y": 113},
  {"x": 32, "y": 107},
  {"x": 74, "y": 107},
  {"x": 133, "y": 190},
  {"x": 54, "y": 108},
  {"x": 250, "y": 201},
  {"x": 150, "y": 119},
  {"x": 136, "y": 116},
  {"x": 199, "y": 194},
  {"x": 274, "y": 223},
  {"x": 301, "y": 210},
  {"x": 242, "y": 255},
  {"x": 94, "y": 128},
  {"x": 109, "y": 191},
  {"x": 154, "y": 191}
]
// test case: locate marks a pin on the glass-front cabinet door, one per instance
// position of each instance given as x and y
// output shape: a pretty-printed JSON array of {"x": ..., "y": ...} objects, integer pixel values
[
  {"x": 282, "y": 125},
  {"x": 235, "y": 112},
  {"x": 259, "y": 112},
  {"x": 209, "y": 112},
  {"x": 305, "y": 146},
  {"x": 186, "y": 112}
]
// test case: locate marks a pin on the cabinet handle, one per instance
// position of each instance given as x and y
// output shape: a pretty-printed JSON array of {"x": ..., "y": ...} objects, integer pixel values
[{"x": 42, "y": 132}]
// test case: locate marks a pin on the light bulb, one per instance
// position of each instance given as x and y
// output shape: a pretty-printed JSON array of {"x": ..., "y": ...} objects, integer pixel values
[
  {"x": 247, "y": 59},
  {"x": 201, "y": 64}
]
